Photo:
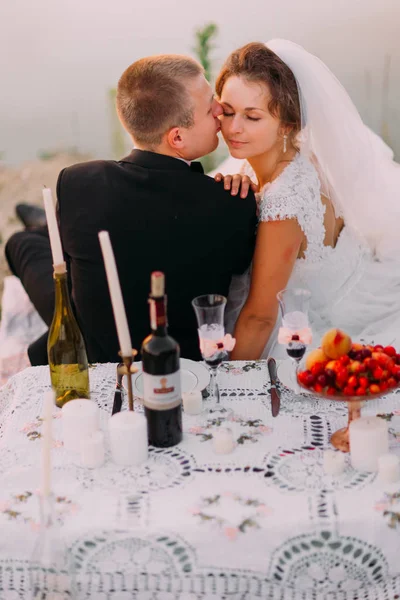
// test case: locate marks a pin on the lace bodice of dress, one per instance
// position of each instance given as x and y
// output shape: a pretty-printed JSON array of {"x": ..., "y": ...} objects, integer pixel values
[{"x": 295, "y": 194}]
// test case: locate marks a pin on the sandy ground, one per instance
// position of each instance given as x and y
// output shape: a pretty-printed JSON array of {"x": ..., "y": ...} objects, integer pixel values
[{"x": 24, "y": 184}]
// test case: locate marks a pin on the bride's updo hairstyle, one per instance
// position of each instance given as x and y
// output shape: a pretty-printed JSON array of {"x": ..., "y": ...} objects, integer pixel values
[{"x": 257, "y": 63}]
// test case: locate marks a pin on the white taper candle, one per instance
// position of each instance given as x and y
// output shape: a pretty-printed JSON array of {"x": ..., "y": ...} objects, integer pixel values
[
  {"x": 47, "y": 440},
  {"x": 54, "y": 234},
  {"x": 121, "y": 321}
]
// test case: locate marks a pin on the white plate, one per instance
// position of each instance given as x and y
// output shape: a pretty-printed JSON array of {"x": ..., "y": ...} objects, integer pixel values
[
  {"x": 194, "y": 376},
  {"x": 287, "y": 376}
]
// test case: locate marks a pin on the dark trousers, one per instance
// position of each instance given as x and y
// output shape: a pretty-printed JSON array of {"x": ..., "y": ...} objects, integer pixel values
[{"x": 29, "y": 257}]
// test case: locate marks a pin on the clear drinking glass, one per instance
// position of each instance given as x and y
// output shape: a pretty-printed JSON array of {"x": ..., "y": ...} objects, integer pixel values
[
  {"x": 50, "y": 570},
  {"x": 210, "y": 310},
  {"x": 294, "y": 304}
]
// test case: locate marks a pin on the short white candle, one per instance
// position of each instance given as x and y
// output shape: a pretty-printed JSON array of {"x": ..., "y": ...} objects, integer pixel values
[
  {"x": 223, "y": 440},
  {"x": 92, "y": 450},
  {"x": 80, "y": 418},
  {"x": 128, "y": 438},
  {"x": 47, "y": 415},
  {"x": 334, "y": 462},
  {"x": 368, "y": 441},
  {"x": 389, "y": 468},
  {"x": 192, "y": 402},
  {"x": 54, "y": 234},
  {"x": 121, "y": 321}
]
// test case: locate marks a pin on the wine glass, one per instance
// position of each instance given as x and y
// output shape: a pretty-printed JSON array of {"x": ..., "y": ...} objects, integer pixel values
[
  {"x": 210, "y": 310},
  {"x": 295, "y": 332}
]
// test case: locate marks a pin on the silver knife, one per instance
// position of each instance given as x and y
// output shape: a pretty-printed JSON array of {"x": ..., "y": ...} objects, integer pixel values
[{"x": 275, "y": 394}]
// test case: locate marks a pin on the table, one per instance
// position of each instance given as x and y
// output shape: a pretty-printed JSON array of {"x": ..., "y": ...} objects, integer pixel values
[{"x": 262, "y": 522}]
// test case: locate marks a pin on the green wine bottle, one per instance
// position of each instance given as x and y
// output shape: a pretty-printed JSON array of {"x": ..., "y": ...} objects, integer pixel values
[{"x": 66, "y": 350}]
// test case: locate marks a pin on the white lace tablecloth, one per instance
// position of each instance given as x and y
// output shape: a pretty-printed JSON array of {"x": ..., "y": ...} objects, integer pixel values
[{"x": 262, "y": 522}]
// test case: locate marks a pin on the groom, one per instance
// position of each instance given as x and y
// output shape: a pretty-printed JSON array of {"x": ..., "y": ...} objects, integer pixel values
[{"x": 162, "y": 213}]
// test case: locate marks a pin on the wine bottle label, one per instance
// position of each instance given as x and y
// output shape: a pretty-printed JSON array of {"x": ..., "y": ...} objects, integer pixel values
[{"x": 162, "y": 392}]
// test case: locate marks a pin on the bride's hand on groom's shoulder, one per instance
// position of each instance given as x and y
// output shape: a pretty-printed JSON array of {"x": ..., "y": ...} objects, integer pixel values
[{"x": 237, "y": 182}]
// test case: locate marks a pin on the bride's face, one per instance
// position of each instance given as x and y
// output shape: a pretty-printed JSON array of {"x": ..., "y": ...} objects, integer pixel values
[{"x": 248, "y": 127}]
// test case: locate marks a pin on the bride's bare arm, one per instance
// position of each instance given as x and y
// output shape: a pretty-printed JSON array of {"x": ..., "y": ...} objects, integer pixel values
[{"x": 277, "y": 247}]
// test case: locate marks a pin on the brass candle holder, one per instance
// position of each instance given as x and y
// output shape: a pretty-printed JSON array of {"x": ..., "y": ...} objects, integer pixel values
[{"x": 128, "y": 368}]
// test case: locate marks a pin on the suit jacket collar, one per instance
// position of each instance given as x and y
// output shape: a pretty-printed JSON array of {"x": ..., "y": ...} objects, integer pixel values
[{"x": 152, "y": 160}]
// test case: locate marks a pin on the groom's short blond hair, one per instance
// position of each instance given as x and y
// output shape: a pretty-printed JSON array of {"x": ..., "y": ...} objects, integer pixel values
[{"x": 152, "y": 96}]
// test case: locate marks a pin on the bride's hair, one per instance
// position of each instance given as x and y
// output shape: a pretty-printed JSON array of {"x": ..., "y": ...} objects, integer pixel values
[{"x": 257, "y": 63}]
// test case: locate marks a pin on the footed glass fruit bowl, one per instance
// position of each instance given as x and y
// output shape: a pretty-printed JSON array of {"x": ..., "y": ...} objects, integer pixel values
[{"x": 363, "y": 373}]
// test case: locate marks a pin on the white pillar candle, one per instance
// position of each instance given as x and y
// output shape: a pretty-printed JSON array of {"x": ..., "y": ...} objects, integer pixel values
[
  {"x": 121, "y": 321},
  {"x": 368, "y": 441},
  {"x": 92, "y": 450},
  {"x": 223, "y": 440},
  {"x": 80, "y": 418},
  {"x": 192, "y": 402},
  {"x": 54, "y": 234},
  {"x": 389, "y": 468},
  {"x": 128, "y": 438},
  {"x": 334, "y": 462},
  {"x": 47, "y": 415}
]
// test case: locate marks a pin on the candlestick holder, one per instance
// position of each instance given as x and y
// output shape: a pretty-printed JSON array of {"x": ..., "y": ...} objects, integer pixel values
[{"x": 127, "y": 367}]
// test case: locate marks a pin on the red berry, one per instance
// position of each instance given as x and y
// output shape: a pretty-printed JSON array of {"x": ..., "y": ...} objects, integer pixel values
[
  {"x": 370, "y": 364},
  {"x": 353, "y": 381},
  {"x": 348, "y": 391},
  {"x": 317, "y": 369},
  {"x": 365, "y": 353},
  {"x": 361, "y": 391},
  {"x": 392, "y": 382},
  {"x": 331, "y": 391},
  {"x": 390, "y": 351},
  {"x": 377, "y": 373},
  {"x": 322, "y": 380},
  {"x": 374, "y": 388},
  {"x": 363, "y": 381},
  {"x": 310, "y": 379},
  {"x": 342, "y": 376},
  {"x": 344, "y": 360},
  {"x": 331, "y": 375},
  {"x": 378, "y": 348},
  {"x": 318, "y": 388},
  {"x": 384, "y": 386}
]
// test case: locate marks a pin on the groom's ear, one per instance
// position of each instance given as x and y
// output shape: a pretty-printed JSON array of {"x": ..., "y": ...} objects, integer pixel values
[{"x": 174, "y": 138}]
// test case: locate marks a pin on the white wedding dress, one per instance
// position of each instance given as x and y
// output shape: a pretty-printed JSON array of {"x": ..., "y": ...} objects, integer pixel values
[{"x": 350, "y": 288}]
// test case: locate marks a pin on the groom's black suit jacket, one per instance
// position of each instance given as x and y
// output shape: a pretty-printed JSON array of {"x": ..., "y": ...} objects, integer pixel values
[{"x": 161, "y": 215}]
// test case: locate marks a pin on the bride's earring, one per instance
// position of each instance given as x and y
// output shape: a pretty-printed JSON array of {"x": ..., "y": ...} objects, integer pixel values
[{"x": 284, "y": 143}]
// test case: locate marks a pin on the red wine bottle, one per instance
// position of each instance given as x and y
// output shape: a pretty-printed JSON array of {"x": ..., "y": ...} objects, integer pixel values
[{"x": 161, "y": 373}]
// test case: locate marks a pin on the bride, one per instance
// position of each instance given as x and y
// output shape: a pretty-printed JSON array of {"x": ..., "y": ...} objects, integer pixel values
[{"x": 329, "y": 203}]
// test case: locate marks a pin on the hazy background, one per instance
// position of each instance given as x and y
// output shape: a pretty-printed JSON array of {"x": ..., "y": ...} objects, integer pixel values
[{"x": 59, "y": 58}]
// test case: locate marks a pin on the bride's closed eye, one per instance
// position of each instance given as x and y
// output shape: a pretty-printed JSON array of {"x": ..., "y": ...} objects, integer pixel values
[{"x": 225, "y": 114}]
